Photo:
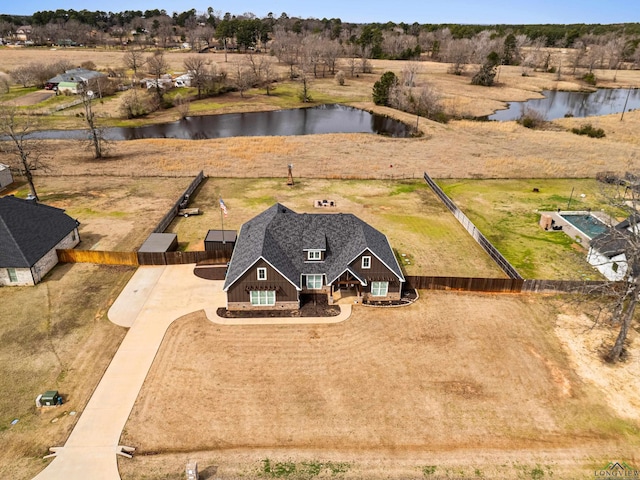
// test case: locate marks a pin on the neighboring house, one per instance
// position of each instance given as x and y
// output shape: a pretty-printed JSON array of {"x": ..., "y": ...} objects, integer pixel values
[
  {"x": 183, "y": 80},
  {"x": 70, "y": 79},
  {"x": 30, "y": 233},
  {"x": 607, "y": 250},
  {"x": 5, "y": 176},
  {"x": 23, "y": 33},
  {"x": 281, "y": 254}
]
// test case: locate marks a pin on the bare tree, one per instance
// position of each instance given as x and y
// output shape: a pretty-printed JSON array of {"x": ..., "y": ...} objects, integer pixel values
[
  {"x": 618, "y": 252},
  {"x": 244, "y": 78},
  {"x": 410, "y": 72},
  {"x": 19, "y": 143},
  {"x": 263, "y": 70},
  {"x": 157, "y": 66},
  {"x": 96, "y": 134},
  {"x": 182, "y": 104},
  {"x": 197, "y": 67},
  {"x": 457, "y": 53},
  {"x": 134, "y": 59},
  {"x": 287, "y": 47}
]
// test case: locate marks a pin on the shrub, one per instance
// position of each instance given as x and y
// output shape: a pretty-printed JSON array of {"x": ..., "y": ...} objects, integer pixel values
[
  {"x": 531, "y": 119},
  {"x": 340, "y": 77},
  {"x": 589, "y": 130},
  {"x": 589, "y": 78}
]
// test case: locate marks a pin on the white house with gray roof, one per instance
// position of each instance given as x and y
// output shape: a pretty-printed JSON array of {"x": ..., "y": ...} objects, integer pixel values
[
  {"x": 281, "y": 254},
  {"x": 30, "y": 233}
]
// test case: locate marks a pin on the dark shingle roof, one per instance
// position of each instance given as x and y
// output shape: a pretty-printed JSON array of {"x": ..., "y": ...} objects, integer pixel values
[
  {"x": 29, "y": 230},
  {"x": 279, "y": 235}
]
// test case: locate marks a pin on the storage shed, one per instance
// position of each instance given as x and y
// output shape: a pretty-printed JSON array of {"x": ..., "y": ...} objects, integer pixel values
[
  {"x": 5, "y": 176},
  {"x": 220, "y": 240},
  {"x": 160, "y": 242}
]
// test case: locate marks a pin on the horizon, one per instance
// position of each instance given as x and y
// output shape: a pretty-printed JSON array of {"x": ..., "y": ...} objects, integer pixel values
[{"x": 461, "y": 12}]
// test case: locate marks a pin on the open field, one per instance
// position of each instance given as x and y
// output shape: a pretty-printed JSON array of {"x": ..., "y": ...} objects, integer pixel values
[
  {"x": 506, "y": 211},
  {"x": 55, "y": 335},
  {"x": 461, "y": 149},
  {"x": 383, "y": 395},
  {"x": 412, "y": 217}
]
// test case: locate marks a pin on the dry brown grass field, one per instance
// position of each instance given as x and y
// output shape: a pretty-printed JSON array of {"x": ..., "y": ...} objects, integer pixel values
[
  {"x": 56, "y": 335},
  {"x": 460, "y": 149},
  {"x": 478, "y": 386}
]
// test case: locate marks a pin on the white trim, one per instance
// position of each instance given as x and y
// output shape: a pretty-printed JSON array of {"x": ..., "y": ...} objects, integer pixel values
[
  {"x": 348, "y": 269},
  {"x": 386, "y": 290},
  {"x": 260, "y": 292},
  {"x": 401, "y": 277},
  {"x": 318, "y": 252},
  {"x": 368, "y": 261},
  {"x": 306, "y": 280},
  {"x": 263, "y": 271},
  {"x": 252, "y": 265}
]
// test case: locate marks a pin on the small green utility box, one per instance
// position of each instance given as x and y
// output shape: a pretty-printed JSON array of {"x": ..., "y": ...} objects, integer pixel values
[{"x": 50, "y": 398}]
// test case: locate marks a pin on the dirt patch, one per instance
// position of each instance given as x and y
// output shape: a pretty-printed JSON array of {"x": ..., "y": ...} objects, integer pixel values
[{"x": 376, "y": 387}]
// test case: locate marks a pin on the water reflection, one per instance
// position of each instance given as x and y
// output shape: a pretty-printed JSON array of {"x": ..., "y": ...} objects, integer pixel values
[
  {"x": 302, "y": 121},
  {"x": 557, "y": 104}
]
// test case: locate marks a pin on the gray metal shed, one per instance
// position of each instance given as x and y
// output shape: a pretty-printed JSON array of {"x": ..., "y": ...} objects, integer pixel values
[{"x": 160, "y": 242}]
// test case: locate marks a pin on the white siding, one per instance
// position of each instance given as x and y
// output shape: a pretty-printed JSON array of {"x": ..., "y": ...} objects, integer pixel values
[{"x": 23, "y": 274}]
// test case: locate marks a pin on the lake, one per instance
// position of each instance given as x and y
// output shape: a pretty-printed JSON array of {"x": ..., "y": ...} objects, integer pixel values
[
  {"x": 299, "y": 121},
  {"x": 557, "y": 104}
]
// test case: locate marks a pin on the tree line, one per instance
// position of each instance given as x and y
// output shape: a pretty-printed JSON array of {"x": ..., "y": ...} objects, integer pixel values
[{"x": 247, "y": 32}]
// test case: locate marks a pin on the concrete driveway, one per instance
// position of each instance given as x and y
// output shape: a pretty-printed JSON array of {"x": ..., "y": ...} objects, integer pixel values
[{"x": 151, "y": 301}]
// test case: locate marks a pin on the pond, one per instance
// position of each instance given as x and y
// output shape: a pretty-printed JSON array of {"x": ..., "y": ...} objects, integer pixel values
[
  {"x": 300, "y": 121},
  {"x": 557, "y": 104}
]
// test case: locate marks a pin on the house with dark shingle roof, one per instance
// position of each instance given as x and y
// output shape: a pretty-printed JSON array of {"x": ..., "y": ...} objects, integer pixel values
[
  {"x": 30, "y": 233},
  {"x": 281, "y": 254}
]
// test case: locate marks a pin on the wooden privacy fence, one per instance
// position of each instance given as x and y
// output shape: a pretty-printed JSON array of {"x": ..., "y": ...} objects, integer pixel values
[
  {"x": 97, "y": 256},
  {"x": 141, "y": 258},
  {"x": 486, "y": 245},
  {"x": 505, "y": 285},
  {"x": 180, "y": 258},
  {"x": 173, "y": 212}
]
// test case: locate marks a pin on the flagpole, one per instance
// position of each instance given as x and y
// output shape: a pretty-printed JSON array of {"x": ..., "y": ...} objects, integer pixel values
[{"x": 222, "y": 221}]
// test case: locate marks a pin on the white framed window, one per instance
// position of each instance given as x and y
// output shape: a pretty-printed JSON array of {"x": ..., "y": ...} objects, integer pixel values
[
  {"x": 262, "y": 273},
  {"x": 379, "y": 289},
  {"x": 263, "y": 297},
  {"x": 314, "y": 255},
  {"x": 314, "y": 282},
  {"x": 366, "y": 262},
  {"x": 13, "y": 276}
]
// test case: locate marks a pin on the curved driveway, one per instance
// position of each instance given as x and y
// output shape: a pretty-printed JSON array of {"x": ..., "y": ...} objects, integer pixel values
[{"x": 151, "y": 301}]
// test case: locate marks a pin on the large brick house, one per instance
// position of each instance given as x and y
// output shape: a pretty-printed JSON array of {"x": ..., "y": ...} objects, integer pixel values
[
  {"x": 30, "y": 233},
  {"x": 281, "y": 254}
]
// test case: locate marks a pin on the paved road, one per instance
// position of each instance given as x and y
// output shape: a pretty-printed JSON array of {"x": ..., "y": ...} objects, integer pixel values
[{"x": 151, "y": 301}]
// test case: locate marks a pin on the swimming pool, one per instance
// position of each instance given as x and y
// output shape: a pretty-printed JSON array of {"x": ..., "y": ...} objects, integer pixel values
[{"x": 586, "y": 223}]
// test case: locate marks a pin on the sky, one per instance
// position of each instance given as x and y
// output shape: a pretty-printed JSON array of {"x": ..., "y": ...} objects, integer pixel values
[{"x": 359, "y": 11}]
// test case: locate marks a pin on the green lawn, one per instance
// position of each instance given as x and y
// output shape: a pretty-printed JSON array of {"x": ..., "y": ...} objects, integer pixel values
[{"x": 506, "y": 212}]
